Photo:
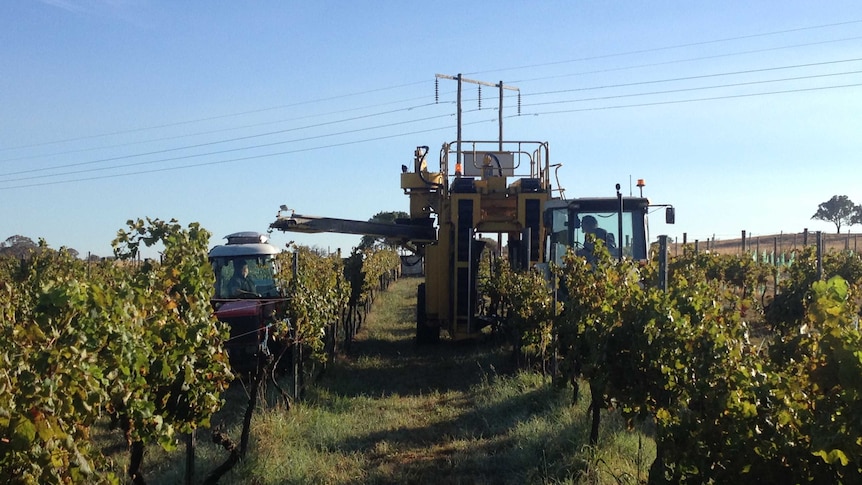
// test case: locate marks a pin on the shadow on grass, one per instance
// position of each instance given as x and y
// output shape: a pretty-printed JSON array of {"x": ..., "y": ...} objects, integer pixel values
[
  {"x": 379, "y": 367},
  {"x": 481, "y": 444},
  {"x": 385, "y": 359},
  {"x": 457, "y": 436}
]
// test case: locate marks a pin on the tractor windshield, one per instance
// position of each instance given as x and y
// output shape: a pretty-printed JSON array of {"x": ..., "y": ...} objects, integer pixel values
[
  {"x": 569, "y": 229},
  {"x": 245, "y": 277}
]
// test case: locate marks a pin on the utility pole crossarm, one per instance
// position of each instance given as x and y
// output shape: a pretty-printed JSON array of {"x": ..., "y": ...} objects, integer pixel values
[
  {"x": 483, "y": 83},
  {"x": 500, "y": 86}
]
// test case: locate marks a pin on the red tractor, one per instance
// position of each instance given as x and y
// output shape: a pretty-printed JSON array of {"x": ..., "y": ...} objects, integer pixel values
[{"x": 246, "y": 295}]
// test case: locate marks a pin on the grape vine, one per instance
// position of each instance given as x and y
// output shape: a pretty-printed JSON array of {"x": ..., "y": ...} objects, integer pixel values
[
  {"x": 134, "y": 342},
  {"x": 776, "y": 406}
]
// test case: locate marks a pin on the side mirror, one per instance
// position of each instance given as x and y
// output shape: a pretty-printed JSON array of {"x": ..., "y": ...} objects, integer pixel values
[{"x": 669, "y": 215}]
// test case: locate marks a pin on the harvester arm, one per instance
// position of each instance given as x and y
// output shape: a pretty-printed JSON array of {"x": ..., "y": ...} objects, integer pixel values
[{"x": 408, "y": 231}]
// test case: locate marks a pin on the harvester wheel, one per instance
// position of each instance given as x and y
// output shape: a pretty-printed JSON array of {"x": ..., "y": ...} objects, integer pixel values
[{"x": 424, "y": 333}]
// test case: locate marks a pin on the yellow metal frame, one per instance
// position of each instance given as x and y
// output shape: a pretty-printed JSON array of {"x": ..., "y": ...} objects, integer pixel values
[{"x": 497, "y": 207}]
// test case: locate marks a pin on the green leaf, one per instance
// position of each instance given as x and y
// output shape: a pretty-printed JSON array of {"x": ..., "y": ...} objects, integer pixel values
[
  {"x": 833, "y": 456},
  {"x": 23, "y": 432}
]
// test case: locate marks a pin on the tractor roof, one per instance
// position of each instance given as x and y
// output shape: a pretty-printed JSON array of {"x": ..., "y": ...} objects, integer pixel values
[{"x": 248, "y": 243}]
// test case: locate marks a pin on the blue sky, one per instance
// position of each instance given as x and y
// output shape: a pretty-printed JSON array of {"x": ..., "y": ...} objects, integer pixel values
[{"x": 743, "y": 115}]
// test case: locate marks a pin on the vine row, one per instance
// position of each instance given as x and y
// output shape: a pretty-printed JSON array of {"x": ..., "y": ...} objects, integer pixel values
[
  {"x": 778, "y": 404},
  {"x": 136, "y": 343}
]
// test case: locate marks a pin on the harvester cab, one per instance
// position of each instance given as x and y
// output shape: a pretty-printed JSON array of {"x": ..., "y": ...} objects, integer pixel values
[
  {"x": 620, "y": 223},
  {"x": 246, "y": 295}
]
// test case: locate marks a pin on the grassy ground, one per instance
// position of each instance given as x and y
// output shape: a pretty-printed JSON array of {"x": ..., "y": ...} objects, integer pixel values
[{"x": 391, "y": 412}]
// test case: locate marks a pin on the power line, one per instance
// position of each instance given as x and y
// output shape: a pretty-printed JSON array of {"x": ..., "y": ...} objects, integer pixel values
[
  {"x": 658, "y": 103},
  {"x": 715, "y": 98},
  {"x": 665, "y": 48},
  {"x": 254, "y": 157},
  {"x": 210, "y": 132},
  {"x": 217, "y": 142},
  {"x": 692, "y": 59},
  {"x": 639, "y": 83},
  {"x": 369, "y": 91},
  {"x": 211, "y": 118},
  {"x": 691, "y": 78},
  {"x": 700, "y": 88},
  {"x": 558, "y": 102},
  {"x": 195, "y": 155}
]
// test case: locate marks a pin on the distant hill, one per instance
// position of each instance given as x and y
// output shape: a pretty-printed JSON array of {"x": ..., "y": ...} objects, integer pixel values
[{"x": 786, "y": 242}]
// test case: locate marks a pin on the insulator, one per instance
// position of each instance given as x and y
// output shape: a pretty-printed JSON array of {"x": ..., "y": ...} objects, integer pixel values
[
  {"x": 480, "y": 96},
  {"x": 436, "y": 90},
  {"x": 519, "y": 103}
]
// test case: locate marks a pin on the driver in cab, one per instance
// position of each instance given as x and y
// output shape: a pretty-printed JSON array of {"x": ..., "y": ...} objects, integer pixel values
[
  {"x": 591, "y": 226},
  {"x": 241, "y": 284}
]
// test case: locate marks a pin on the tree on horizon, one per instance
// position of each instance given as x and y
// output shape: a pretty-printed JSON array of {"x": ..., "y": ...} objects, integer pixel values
[
  {"x": 18, "y": 246},
  {"x": 839, "y": 210},
  {"x": 385, "y": 217}
]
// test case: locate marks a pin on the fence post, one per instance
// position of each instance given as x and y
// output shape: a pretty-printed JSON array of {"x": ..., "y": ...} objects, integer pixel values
[
  {"x": 819, "y": 255},
  {"x": 190, "y": 458},
  {"x": 662, "y": 262},
  {"x": 775, "y": 267},
  {"x": 743, "y": 240},
  {"x": 775, "y": 251},
  {"x": 297, "y": 346}
]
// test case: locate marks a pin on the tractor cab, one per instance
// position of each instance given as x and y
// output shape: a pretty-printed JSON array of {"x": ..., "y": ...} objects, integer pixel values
[
  {"x": 246, "y": 257},
  {"x": 246, "y": 295},
  {"x": 620, "y": 223}
]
